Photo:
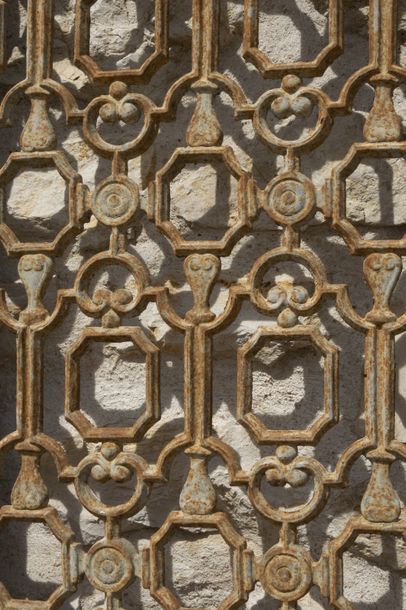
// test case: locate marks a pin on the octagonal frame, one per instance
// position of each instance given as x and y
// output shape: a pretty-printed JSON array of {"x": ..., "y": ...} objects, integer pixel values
[
  {"x": 73, "y": 412},
  {"x": 245, "y": 354},
  {"x": 245, "y": 198},
  {"x": 142, "y": 74},
  {"x": 270, "y": 69},
  {"x": 76, "y": 198},
  {"x": 65, "y": 536},
  {"x": 356, "y": 243},
  {"x": 337, "y": 547},
  {"x": 154, "y": 559}
]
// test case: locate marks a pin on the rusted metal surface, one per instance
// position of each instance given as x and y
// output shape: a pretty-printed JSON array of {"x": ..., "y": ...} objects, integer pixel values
[{"x": 286, "y": 570}]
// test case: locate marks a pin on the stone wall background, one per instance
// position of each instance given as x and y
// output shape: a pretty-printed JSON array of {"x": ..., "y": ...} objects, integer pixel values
[{"x": 200, "y": 573}]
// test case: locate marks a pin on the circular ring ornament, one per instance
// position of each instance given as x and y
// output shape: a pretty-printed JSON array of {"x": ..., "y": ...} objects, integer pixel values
[
  {"x": 295, "y": 301},
  {"x": 135, "y": 464},
  {"x": 117, "y": 300},
  {"x": 299, "y": 103},
  {"x": 115, "y": 201},
  {"x": 114, "y": 107},
  {"x": 286, "y": 573},
  {"x": 109, "y": 566},
  {"x": 290, "y": 198},
  {"x": 295, "y": 514}
]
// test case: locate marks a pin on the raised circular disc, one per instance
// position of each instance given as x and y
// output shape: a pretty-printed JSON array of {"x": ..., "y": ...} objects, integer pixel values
[
  {"x": 115, "y": 201},
  {"x": 290, "y": 198},
  {"x": 286, "y": 573},
  {"x": 109, "y": 567}
]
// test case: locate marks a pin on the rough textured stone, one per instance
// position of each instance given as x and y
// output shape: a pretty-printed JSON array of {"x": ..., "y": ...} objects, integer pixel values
[{"x": 287, "y": 386}]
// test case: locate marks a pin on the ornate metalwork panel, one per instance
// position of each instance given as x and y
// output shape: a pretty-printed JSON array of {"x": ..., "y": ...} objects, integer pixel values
[{"x": 130, "y": 240}]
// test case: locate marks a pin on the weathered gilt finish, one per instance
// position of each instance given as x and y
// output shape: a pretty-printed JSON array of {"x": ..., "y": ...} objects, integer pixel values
[{"x": 287, "y": 570}]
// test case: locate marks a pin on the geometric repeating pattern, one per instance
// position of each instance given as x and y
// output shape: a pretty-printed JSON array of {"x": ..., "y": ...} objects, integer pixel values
[{"x": 286, "y": 570}]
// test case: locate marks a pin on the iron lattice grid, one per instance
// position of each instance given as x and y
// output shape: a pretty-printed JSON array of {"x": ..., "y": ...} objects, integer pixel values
[{"x": 286, "y": 570}]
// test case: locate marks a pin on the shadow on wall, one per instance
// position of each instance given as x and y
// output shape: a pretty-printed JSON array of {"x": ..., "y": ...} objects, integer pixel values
[{"x": 287, "y": 382}]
